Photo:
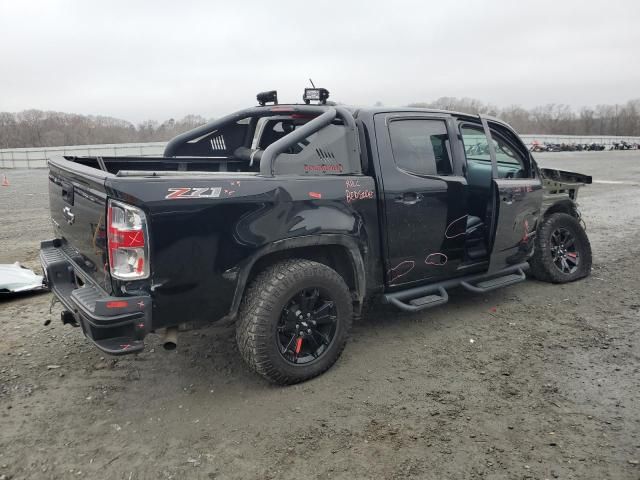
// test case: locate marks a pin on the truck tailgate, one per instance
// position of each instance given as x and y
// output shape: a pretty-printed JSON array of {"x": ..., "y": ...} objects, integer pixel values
[{"x": 78, "y": 204}]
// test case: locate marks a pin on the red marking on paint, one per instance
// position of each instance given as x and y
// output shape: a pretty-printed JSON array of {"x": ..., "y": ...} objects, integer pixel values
[
  {"x": 324, "y": 168},
  {"x": 117, "y": 304},
  {"x": 526, "y": 231},
  {"x": 140, "y": 325},
  {"x": 353, "y": 195},
  {"x": 493, "y": 309},
  {"x": 315, "y": 195},
  {"x": 126, "y": 346},
  {"x": 141, "y": 304},
  {"x": 298, "y": 345}
]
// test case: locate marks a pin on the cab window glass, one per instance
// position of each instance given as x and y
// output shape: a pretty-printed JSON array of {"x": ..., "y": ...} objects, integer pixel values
[
  {"x": 510, "y": 162},
  {"x": 421, "y": 146},
  {"x": 475, "y": 144},
  {"x": 505, "y": 153}
]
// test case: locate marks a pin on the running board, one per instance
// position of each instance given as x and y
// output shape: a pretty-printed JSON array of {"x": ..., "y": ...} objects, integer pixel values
[
  {"x": 439, "y": 297},
  {"x": 494, "y": 283},
  {"x": 427, "y": 296}
]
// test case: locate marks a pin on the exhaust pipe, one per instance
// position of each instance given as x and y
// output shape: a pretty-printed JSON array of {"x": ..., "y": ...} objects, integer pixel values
[{"x": 170, "y": 338}]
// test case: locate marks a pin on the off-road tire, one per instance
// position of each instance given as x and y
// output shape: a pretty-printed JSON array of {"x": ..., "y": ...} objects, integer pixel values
[
  {"x": 542, "y": 265},
  {"x": 262, "y": 307}
]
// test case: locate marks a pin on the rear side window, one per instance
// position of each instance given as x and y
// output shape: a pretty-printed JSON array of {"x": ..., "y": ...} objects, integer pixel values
[{"x": 421, "y": 146}]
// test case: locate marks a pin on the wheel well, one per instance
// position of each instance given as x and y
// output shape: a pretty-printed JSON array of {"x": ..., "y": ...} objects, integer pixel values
[
  {"x": 566, "y": 206},
  {"x": 334, "y": 256}
]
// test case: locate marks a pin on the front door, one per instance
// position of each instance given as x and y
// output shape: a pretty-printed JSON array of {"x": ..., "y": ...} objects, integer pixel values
[
  {"x": 424, "y": 196},
  {"x": 516, "y": 197}
]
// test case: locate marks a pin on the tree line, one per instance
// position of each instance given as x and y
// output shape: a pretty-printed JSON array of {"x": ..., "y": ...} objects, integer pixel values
[
  {"x": 37, "y": 128},
  {"x": 554, "y": 119}
]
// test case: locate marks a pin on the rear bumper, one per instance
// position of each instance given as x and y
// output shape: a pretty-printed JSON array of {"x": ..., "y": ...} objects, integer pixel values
[{"x": 116, "y": 325}]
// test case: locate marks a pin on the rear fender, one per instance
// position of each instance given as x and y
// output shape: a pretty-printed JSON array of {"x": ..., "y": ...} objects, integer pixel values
[{"x": 308, "y": 243}]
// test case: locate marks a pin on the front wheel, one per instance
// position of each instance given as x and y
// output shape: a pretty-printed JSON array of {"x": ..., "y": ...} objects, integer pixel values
[
  {"x": 562, "y": 250},
  {"x": 294, "y": 321}
]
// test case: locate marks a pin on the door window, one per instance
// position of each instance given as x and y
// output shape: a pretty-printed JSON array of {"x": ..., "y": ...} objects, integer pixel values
[
  {"x": 421, "y": 147},
  {"x": 511, "y": 163}
]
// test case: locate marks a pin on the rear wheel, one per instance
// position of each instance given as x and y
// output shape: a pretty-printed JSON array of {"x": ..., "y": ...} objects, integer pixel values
[
  {"x": 563, "y": 251},
  {"x": 294, "y": 321}
]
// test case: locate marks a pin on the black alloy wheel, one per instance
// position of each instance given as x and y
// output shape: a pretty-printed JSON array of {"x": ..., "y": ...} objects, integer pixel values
[
  {"x": 294, "y": 320},
  {"x": 307, "y": 326},
  {"x": 562, "y": 250},
  {"x": 565, "y": 255}
]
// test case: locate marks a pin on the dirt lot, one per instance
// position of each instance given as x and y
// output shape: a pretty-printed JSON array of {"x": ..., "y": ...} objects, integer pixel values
[{"x": 532, "y": 381}]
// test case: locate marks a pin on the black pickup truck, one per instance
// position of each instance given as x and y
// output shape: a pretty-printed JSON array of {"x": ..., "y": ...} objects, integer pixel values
[{"x": 289, "y": 218}]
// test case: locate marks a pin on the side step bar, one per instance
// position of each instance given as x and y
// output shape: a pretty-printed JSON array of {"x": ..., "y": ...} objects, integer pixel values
[
  {"x": 420, "y": 303},
  {"x": 488, "y": 285},
  {"x": 427, "y": 296}
]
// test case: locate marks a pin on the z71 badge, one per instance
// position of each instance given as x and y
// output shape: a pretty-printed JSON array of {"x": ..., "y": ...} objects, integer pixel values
[{"x": 188, "y": 192}]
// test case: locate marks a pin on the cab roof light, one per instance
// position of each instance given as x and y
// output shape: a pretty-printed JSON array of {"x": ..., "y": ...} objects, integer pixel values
[
  {"x": 319, "y": 95},
  {"x": 267, "y": 97}
]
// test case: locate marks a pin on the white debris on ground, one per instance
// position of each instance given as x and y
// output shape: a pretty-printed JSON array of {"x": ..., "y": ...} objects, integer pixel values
[{"x": 15, "y": 278}]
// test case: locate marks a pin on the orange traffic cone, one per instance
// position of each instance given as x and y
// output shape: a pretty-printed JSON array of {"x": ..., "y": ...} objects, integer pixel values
[{"x": 5, "y": 180}]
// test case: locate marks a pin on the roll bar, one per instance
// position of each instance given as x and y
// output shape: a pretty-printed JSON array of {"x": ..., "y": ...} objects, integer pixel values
[
  {"x": 330, "y": 113},
  {"x": 179, "y": 140},
  {"x": 288, "y": 141},
  {"x": 326, "y": 114}
]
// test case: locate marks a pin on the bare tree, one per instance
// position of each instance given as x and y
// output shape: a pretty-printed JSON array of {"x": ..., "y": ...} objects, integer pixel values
[{"x": 36, "y": 128}]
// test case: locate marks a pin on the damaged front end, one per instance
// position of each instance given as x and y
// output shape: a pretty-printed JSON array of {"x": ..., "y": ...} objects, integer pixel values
[{"x": 561, "y": 189}]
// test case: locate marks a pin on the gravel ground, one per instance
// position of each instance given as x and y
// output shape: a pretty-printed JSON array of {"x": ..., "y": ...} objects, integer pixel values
[{"x": 532, "y": 381}]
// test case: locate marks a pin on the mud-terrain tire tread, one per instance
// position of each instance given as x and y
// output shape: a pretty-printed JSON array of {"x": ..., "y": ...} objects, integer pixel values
[
  {"x": 541, "y": 263},
  {"x": 262, "y": 305}
]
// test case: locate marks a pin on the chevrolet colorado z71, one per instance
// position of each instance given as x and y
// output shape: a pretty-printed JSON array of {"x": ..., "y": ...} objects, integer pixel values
[{"x": 288, "y": 218}]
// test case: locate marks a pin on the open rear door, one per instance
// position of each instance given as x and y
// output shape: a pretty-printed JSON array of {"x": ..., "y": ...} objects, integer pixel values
[{"x": 517, "y": 197}]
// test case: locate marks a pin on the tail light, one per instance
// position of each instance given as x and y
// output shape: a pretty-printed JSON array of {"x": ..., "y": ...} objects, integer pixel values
[{"x": 128, "y": 241}]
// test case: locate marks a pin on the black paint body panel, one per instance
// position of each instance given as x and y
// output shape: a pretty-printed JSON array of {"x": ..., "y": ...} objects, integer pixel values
[{"x": 202, "y": 248}]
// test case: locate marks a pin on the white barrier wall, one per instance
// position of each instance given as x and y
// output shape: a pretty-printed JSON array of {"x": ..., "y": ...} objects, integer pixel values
[
  {"x": 578, "y": 139},
  {"x": 37, "y": 157}
]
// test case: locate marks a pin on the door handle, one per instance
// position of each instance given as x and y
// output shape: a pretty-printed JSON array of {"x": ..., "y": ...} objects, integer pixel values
[{"x": 409, "y": 198}]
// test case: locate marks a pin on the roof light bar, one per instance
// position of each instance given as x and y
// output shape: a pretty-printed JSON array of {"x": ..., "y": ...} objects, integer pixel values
[{"x": 319, "y": 95}]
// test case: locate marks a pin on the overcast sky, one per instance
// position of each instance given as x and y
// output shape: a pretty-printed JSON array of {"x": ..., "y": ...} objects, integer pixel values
[{"x": 138, "y": 60}]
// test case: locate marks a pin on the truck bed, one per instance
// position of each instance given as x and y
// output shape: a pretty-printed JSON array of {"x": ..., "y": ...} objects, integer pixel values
[
  {"x": 117, "y": 165},
  {"x": 207, "y": 226}
]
